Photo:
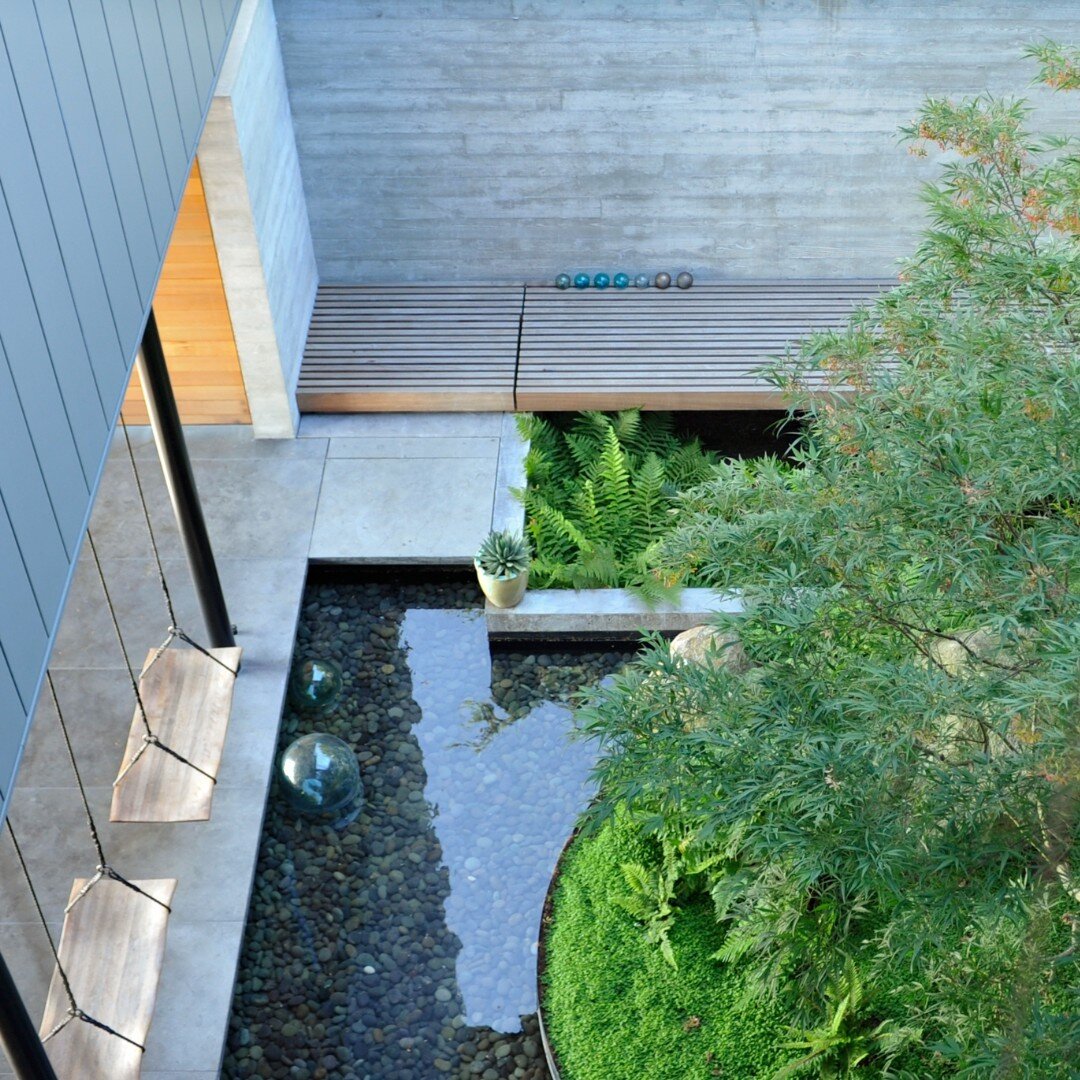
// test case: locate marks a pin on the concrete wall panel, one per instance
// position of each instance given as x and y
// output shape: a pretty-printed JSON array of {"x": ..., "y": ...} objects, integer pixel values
[{"x": 507, "y": 140}]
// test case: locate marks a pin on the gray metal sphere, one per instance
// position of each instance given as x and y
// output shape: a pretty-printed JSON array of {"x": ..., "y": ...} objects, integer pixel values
[
  {"x": 319, "y": 775},
  {"x": 685, "y": 280},
  {"x": 662, "y": 280}
]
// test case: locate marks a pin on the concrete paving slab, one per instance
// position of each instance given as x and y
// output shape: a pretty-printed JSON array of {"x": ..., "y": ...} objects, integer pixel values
[
  {"x": 432, "y": 446},
  {"x": 409, "y": 510},
  {"x": 191, "y": 1020},
  {"x": 87, "y": 639},
  {"x": 230, "y": 442},
  {"x": 507, "y": 512},
  {"x": 98, "y": 707},
  {"x": 340, "y": 425},
  {"x": 259, "y": 511}
]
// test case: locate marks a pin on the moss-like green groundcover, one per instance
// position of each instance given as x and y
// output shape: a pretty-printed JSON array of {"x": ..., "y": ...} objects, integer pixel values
[{"x": 615, "y": 1009}]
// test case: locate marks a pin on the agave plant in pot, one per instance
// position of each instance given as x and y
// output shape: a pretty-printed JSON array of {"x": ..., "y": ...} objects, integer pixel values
[{"x": 502, "y": 565}]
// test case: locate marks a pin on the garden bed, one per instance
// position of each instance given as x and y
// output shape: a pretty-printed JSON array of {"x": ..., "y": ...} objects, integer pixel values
[{"x": 611, "y": 1008}]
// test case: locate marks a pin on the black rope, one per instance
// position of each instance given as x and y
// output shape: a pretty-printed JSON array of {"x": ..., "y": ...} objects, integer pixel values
[
  {"x": 73, "y": 1011},
  {"x": 174, "y": 627},
  {"x": 104, "y": 870},
  {"x": 149, "y": 738}
]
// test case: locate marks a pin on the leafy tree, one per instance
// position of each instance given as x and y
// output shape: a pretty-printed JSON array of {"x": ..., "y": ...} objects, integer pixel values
[{"x": 897, "y": 777}]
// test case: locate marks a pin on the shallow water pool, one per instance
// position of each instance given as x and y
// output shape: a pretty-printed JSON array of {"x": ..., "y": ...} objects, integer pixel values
[{"x": 402, "y": 945}]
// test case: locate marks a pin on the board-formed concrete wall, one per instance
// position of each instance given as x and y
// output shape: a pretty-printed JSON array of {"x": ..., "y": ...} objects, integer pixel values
[{"x": 506, "y": 140}]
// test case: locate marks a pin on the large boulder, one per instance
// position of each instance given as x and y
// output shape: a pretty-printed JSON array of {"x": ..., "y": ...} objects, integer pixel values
[
  {"x": 958, "y": 653},
  {"x": 712, "y": 647}
]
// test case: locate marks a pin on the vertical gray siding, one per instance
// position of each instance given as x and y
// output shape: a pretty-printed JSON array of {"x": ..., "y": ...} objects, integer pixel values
[
  {"x": 101, "y": 106},
  {"x": 496, "y": 140}
]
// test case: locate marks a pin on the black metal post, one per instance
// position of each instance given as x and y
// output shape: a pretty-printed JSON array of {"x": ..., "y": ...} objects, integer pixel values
[
  {"x": 172, "y": 449},
  {"x": 18, "y": 1036}
]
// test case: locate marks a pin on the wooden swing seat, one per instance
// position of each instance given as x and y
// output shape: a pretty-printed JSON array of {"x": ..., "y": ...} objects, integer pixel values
[
  {"x": 188, "y": 699},
  {"x": 112, "y": 947}
]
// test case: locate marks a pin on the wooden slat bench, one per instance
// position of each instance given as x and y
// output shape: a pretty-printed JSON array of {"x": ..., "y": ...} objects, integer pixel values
[
  {"x": 699, "y": 348},
  {"x": 450, "y": 348},
  {"x": 411, "y": 348}
]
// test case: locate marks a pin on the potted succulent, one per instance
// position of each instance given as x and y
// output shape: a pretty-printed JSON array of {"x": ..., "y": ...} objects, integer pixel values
[{"x": 502, "y": 565}]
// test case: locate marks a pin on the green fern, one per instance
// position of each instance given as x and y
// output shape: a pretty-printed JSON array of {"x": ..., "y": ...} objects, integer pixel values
[{"x": 601, "y": 495}]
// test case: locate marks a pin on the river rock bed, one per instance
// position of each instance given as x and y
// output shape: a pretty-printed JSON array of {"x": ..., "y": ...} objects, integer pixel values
[{"x": 402, "y": 945}]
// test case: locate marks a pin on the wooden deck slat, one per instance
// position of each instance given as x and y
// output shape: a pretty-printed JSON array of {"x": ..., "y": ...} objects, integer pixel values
[
  {"x": 411, "y": 347},
  {"x": 112, "y": 946},
  {"x": 188, "y": 699}
]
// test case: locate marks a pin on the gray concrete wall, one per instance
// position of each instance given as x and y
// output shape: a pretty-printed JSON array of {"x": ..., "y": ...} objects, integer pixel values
[
  {"x": 264, "y": 129},
  {"x": 502, "y": 140}
]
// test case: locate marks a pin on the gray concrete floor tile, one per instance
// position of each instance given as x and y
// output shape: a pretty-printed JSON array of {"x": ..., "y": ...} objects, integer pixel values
[
  {"x": 26, "y": 951},
  {"x": 259, "y": 511},
  {"x": 410, "y": 510},
  {"x": 87, "y": 639},
  {"x": 401, "y": 446},
  {"x": 98, "y": 706},
  {"x": 322, "y": 425},
  {"x": 190, "y": 1023},
  {"x": 220, "y": 441}
]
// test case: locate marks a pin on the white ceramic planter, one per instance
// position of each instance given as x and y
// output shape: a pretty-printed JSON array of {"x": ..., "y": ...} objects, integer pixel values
[{"x": 503, "y": 592}]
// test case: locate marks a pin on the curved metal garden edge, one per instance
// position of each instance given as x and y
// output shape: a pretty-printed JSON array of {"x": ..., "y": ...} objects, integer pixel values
[{"x": 541, "y": 957}]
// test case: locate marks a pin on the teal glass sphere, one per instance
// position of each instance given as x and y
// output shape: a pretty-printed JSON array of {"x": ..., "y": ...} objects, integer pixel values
[
  {"x": 581, "y": 281},
  {"x": 314, "y": 685},
  {"x": 562, "y": 281},
  {"x": 620, "y": 281},
  {"x": 319, "y": 775},
  {"x": 601, "y": 281},
  {"x": 642, "y": 281}
]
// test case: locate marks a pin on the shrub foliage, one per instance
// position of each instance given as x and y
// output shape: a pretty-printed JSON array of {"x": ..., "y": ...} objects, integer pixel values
[
  {"x": 600, "y": 496},
  {"x": 894, "y": 784}
]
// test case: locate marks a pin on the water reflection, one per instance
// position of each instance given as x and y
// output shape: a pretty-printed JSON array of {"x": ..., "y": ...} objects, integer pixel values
[
  {"x": 505, "y": 805},
  {"x": 399, "y": 945}
]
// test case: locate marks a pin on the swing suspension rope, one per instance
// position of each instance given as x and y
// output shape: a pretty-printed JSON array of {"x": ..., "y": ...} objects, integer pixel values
[
  {"x": 104, "y": 869},
  {"x": 73, "y": 1010},
  {"x": 149, "y": 737},
  {"x": 175, "y": 630}
]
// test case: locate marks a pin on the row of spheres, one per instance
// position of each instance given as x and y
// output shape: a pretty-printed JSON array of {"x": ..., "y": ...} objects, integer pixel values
[{"x": 621, "y": 281}]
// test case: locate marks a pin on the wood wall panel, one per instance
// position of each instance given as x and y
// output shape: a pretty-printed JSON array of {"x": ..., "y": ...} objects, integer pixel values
[{"x": 193, "y": 319}]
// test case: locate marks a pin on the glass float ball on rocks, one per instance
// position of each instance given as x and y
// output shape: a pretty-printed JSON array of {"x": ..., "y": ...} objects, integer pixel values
[
  {"x": 581, "y": 281},
  {"x": 314, "y": 685},
  {"x": 319, "y": 776},
  {"x": 562, "y": 281},
  {"x": 620, "y": 281},
  {"x": 642, "y": 281},
  {"x": 601, "y": 281},
  {"x": 685, "y": 280},
  {"x": 663, "y": 280}
]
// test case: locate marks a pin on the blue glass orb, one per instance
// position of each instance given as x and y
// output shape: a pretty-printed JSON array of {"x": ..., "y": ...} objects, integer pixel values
[
  {"x": 601, "y": 281},
  {"x": 562, "y": 281},
  {"x": 642, "y": 281},
  {"x": 662, "y": 280},
  {"x": 581, "y": 281},
  {"x": 685, "y": 280},
  {"x": 319, "y": 775},
  {"x": 314, "y": 685},
  {"x": 620, "y": 281}
]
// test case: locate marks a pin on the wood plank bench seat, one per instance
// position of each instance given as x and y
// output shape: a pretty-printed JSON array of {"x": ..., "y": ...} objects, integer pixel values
[
  {"x": 411, "y": 348},
  {"x": 445, "y": 348},
  {"x": 699, "y": 348}
]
